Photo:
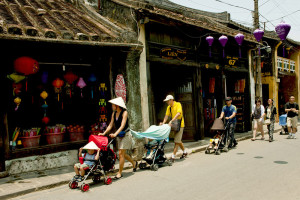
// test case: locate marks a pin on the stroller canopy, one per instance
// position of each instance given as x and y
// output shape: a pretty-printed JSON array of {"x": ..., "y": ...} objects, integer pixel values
[
  {"x": 154, "y": 132},
  {"x": 100, "y": 141}
]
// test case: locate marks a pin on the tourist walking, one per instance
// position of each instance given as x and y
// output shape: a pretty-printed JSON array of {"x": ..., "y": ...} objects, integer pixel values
[
  {"x": 174, "y": 112},
  {"x": 292, "y": 110},
  {"x": 258, "y": 111},
  {"x": 119, "y": 119},
  {"x": 271, "y": 114}
]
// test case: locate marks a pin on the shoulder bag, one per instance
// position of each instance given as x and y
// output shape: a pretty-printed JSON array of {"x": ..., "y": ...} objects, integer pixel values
[{"x": 175, "y": 125}]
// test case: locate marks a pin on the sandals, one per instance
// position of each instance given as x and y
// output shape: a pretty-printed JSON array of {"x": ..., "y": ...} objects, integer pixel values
[
  {"x": 136, "y": 165},
  {"x": 262, "y": 138},
  {"x": 116, "y": 178},
  {"x": 253, "y": 139}
]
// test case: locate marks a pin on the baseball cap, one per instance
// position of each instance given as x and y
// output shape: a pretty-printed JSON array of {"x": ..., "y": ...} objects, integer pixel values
[
  {"x": 169, "y": 97},
  {"x": 228, "y": 98}
]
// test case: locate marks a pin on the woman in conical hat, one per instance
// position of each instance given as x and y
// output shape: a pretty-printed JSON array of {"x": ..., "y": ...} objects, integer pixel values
[{"x": 119, "y": 119}]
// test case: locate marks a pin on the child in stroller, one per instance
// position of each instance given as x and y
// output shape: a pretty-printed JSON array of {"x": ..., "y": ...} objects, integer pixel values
[
  {"x": 282, "y": 123},
  {"x": 92, "y": 164},
  {"x": 155, "y": 155}
]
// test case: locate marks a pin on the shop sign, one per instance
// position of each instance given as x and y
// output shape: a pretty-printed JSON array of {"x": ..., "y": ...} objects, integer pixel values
[
  {"x": 171, "y": 53},
  {"x": 232, "y": 62}
]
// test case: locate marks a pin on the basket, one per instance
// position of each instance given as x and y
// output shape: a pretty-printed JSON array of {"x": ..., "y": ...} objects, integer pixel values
[
  {"x": 54, "y": 138},
  {"x": 76, "y": 136},
  {"x": 31, "y": 141}
]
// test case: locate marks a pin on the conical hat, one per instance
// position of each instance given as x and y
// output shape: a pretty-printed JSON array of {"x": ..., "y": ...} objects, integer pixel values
[
  {"x": 118, "y": 101},
  {"x": 218, "y": 125},
  {"x": 91, "y": 145}
]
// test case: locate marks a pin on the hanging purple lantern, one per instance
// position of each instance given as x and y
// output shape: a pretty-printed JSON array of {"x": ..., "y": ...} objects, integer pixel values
[
  {"x": 223, "y": 40},
  {"x": 92, "y": 79},
  {"x": 210, "y": 41},
  {"x": 282, "y": 30},
  {"x": 258, "y": 34},
  {"x": 81, "y": 84},
  {"x": 239, "y": 38}
]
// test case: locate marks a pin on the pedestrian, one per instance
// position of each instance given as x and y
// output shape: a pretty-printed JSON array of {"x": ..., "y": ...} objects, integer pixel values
[
  {"x": 229, "y": 112},
  {"x": 174, "y": 112},
  {"x": 119, "y": 119},
  {"x": 292, "y": 110},
  {"x": 258, "y": 111},
  {"x": 271, "y": 114}
]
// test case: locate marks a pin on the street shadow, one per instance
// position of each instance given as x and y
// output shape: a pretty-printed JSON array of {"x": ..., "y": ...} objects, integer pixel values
[
  {"x": 258, "y": 157},
  {"x": 280, "y": 162}
]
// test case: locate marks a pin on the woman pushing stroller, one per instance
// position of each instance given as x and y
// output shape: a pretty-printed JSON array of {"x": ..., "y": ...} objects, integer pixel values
[{"x": 119, "y": 119}]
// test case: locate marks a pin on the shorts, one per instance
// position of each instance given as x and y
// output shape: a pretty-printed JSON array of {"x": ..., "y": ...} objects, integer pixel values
[
  {"x": 178, "y": 135},
  {"x": 258, "y": 124},
  {"x": 125, "y": 142},
  {"x": 292, "y": 121},
  {"x": 78, "y": 165}
]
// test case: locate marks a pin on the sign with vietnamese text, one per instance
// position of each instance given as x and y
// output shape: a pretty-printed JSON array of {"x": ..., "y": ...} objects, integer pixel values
[{"x": 171, "y": 53}]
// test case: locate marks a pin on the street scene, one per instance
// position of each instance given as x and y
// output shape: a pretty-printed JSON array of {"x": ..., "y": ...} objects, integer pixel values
[{"x": 130, "y": 99}]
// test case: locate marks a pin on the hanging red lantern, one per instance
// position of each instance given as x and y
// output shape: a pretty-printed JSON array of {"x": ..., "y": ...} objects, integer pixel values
[
  {"x": 57, "y": 84},
  {"x": 70, "y": 77},
  {"x": 45, "y": 120},
  {"x": 26, "y": 65},
  {"x": 17, "y": 88}
]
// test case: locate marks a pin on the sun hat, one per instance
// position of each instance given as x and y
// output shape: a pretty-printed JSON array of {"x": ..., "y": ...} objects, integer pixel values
[
  {"x": 118, "y": 101},
  {"x": 169, "y": 97},
  {"x": 91, "y": 145}
]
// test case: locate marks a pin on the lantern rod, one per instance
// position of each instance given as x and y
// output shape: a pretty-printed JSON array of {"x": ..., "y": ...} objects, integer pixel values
[{"x": 70, "y": 64}]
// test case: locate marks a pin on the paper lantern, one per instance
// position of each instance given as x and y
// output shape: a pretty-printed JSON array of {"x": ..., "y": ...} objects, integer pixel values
[
  {"x": 282, "y": 30},
  {"x": 223, "y": 40},
  {"x": 26, "y": 65},
  {"x": 16, "y": 88},
  {"x": 210, "y": 41},
  {"x": 239, "y": 38},
  {"x": 45, "y": 120},
  {"x": 81, "y": 84},
  {"x": 44, "y": 77},
  {"x": 70, "y": 77},
  {"x": 58, "y": 83},
  {"x": 258, "y": 34},
  {"x": 17, "y": 101},
  {"x": 92, "y": 79},
  {"x": 16, "y": 77}
]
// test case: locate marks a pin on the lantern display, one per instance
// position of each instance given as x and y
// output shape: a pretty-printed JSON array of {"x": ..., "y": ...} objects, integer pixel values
[
  {"x": 258, "y": 34},
  {"x": 239, "y": 38},
  {"x": 92, "y": 79},
  {"x": 70, "y": 77},
  {"x": 223, "y": 40},
  {"x": 282, "y": 30},
  {"x": 17, "y": 101},
  {"x": 210, "y": 41},
  {"x": 57, "y": 84},
  {"x": 16, "y": 77},
  {"x": 81, "y": 84}
]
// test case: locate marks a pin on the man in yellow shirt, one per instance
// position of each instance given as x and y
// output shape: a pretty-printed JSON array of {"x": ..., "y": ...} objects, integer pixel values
[{"x": 174, "y": 111}]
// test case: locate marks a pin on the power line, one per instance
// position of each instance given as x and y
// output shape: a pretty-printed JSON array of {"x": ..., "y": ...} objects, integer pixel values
[
  {"x": 285, "y": 15},
  {"x": 264, "y": 3},
  {"x": 233, "y": 5}
]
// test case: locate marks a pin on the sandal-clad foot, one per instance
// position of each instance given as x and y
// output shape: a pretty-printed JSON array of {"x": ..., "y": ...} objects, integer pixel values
[
  {"x": 136, "y": 164},
  {"x": 118, "y": 177},
  {"x": 262, "y": 138},
  {"x": 253, "y": 139}
]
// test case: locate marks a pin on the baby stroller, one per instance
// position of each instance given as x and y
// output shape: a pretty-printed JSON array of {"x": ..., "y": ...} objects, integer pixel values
[
  {"x": 220, "y": 140},
  {"x": 155, "y": 156},
  {"x": 282, "y": 123},
  {"x": 106, "y": 162}
]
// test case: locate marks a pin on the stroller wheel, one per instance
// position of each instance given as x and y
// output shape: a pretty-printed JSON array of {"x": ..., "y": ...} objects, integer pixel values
[
  {"x": 85, "y": 187},
  {"x": 142, "y": 165},
  {"x": 207, "y": 151},
  {"x": 107, "y": 180},
  {"x": 169, "y": 162},
  {"x": 96, "y": 179},
  {"x": 73, "y": 184},
  {"x": 225, "y": 149},
  {"x": 154, "y": 167},
  {"x": 218, "y": 152}
]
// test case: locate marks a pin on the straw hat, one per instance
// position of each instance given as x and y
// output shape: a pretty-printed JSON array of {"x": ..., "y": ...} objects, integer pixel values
[
  {"x": 91, "y": 145},
  {"x": 218, "y": 125},
  {"x": 118, "y": 101}
]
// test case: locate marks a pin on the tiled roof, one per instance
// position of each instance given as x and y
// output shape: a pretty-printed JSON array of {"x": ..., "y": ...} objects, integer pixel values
[{"x": 54, "y": 20}]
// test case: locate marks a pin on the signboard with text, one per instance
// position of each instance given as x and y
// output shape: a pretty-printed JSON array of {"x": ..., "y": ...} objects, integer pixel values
[{"x": 171, "y": 53}]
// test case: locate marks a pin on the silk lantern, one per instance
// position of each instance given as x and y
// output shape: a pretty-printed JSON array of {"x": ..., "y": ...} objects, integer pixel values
[
  {"x": 44, "y": 96},
  {"x": 70, "y": 77},
  {"x": 81, "y": 84},
  {"x": 223, "y": 40},
  {"x": 16, "y": 77},
  {"x": 258, "y": 34},
  {"x": 16, "y": 88},
  {"x": 45, "y": 120},
  {"x": 58, "y": 83},
  {"x": 239, "y": 38},
  {"x": 44, "y": 77},
  {"x": 282, "y": 30},
  {"x": 210, "y": 41},
  {"x": 17, "y": 101},
  {"x": 92, "y": 79}
]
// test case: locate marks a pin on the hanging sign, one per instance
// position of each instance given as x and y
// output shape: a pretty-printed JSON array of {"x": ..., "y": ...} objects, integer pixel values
[
  {"x": 171, "y": 53},
  {"x": 232, "y": 62}
]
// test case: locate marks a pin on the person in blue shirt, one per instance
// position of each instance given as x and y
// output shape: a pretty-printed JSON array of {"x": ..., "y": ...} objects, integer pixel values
[{"x": 229, "y": 111}]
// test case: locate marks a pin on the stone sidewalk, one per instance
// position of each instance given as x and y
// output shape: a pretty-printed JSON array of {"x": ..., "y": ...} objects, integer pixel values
[{"x": 21, "y": 184}]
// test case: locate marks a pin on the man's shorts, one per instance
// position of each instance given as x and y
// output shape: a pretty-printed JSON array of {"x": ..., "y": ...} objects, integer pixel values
[
  {"x": 292, "y": 121},
  {"x": 78, "y": 165},
  {"x": 178, "y": 135}
]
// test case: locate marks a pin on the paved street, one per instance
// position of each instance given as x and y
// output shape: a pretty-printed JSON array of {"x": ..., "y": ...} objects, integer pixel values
[{"x": 255, "y": 170}]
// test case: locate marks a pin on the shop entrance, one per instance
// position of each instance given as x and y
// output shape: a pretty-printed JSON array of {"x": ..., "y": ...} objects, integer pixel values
[{"x": 177, "y": 81}]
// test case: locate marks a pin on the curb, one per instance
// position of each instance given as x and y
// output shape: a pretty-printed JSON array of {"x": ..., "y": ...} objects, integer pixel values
[{"x": 65, "y": 182}]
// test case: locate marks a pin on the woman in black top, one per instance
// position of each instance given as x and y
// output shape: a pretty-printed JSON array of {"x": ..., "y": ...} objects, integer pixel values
[
  {"x": 271, "y": 114},
  {"x": 119, "y": 119}
]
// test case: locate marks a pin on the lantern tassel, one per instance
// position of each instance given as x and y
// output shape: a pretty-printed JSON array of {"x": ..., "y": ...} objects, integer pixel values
[
  {"x": 70, "y": 93},
  {"x": 258, "y": 49},
  {"x": 58, "y": 97},
  {"x": 81, "y": 93},
  {"x": 92, "y": 93},
  {"x": 26, "y": 84},
  {"x": 240, "y": 51},
  {"x": 283, "y": 52},
  {"x": 223, "y": 53},
  {"x": 210, "y": 52}
]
